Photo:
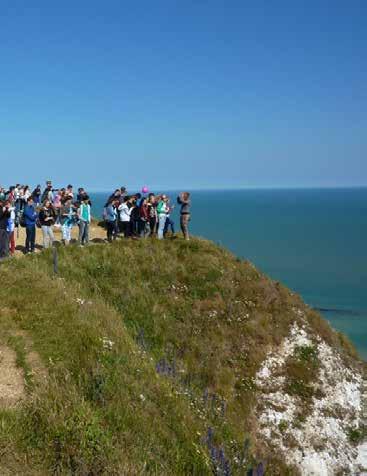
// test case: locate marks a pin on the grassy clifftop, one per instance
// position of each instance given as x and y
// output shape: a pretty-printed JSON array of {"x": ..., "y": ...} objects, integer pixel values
[{"x": 146, "y": 357}]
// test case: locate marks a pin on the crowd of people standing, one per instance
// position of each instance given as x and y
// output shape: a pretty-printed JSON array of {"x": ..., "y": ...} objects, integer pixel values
[
  {"x": 144, "y": 215},
  {"x": 141, "y": 215}
]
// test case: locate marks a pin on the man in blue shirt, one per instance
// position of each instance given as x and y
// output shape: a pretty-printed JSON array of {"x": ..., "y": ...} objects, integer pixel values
[{"x": 30, "y": 217}]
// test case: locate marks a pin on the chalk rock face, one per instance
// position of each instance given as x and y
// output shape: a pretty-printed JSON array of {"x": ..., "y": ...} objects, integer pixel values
[{"x": 310, "y": 423}]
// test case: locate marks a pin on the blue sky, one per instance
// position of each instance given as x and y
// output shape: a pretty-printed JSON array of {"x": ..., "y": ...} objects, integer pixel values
[{"x": 194, "y": 94}]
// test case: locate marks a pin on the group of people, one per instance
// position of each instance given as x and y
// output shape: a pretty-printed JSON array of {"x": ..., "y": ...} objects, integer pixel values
[
  {"x": 133, "y": 216},
  {"x": 141, "y": 216}
]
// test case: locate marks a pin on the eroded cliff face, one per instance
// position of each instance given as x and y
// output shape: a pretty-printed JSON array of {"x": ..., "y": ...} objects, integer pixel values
[
  {"x": 171, "y": 357},
  {"x": 312, "y": 406}
]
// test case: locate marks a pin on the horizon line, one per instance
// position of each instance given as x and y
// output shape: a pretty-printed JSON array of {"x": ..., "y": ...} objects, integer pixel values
[{"x": 233, "y": 189}]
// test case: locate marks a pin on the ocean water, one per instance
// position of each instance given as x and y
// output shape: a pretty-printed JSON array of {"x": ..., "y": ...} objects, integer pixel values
[{"x": 314, "y": 241}]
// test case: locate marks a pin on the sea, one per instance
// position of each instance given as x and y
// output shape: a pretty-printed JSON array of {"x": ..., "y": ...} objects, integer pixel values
[{"x": 312, "y": 240}]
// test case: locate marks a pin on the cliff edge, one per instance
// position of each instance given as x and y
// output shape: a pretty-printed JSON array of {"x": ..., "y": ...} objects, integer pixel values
[{"x": 170, "y": 357}]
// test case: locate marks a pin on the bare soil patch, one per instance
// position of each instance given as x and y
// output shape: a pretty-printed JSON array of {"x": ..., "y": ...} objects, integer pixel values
[
  {"x": 97, "y": 235},
  {"x": 11, "y": 379},
  {"x": 33, "y": 360}
]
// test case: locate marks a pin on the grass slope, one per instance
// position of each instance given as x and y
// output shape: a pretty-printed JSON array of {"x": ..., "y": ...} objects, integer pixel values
[{"x": 151, "y": 350}]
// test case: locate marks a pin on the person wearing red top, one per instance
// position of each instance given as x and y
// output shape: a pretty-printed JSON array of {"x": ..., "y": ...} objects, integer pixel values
[{"x": 144, "y": 218}]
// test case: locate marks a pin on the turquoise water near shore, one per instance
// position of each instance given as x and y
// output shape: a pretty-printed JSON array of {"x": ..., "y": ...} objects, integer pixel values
[{"x": 314, "y": 241}]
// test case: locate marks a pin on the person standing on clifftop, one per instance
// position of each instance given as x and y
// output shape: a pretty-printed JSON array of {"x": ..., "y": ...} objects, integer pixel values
[
  {"x": 169, "y": 222},
  {"x": 84, "y": 215},
  {"x": 11, "y": 228},
  {"x": 47, "y": 217},
  {"x": 185, "y": 201},
  {"x": 125, "y": 210},
  {"x": 162, "y": 210},
  {"x": 30, "y": 217},
  {"x": 110, "y": 217},
  {"x": 152, "y": 208},
  {"x": 36, "y": 195},
  {"x": 47, "y": 193},
  {"x": 67, "y": 219},
  {"x": 4, "y": 237}
]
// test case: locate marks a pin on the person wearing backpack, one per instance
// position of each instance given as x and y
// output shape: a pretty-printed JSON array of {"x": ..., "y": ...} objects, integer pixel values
[
  {"x": 30, "y": 217},
  {"x": 4, "y": 236},
  {"x": 84, "y": 216},
  {"x": 47, "y": 217},
  {"x": 162, "y": 210}
]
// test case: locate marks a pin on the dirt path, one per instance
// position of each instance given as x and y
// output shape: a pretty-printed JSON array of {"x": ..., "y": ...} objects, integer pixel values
[
  {"x": 97, "y": 234},
  {"x": 11, "y": 379}
]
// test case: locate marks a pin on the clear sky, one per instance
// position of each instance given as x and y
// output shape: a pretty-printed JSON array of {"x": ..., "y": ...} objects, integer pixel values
[{"x": 185, "y": 93}]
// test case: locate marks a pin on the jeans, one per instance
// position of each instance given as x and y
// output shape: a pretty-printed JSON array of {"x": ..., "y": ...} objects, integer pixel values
[
  {"x": 162, "y": 221},
  {"x": 144, "y": 229},
  {"x": 111, "y": 227},
  {"x": 169, "y": 223},
  {"x": 126, "y": 228},
  {"x": 30, "y": 240},
  {"x": 66, "y": 232},
  {"x": 152, "y": 225},
  {"x": 48, "y": 236},
  {"x": 135, "y": 226},
  {"x": 83, "y": 232},
  {"x": 4, "y": 244},
  {"x": 12, "y": 242},
  {"x": 184, "y": 222}
]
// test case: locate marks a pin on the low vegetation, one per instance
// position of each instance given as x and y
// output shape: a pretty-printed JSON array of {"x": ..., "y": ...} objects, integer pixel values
[
  {"x": 302, "y": 372},
  {"x": 151, "y": 351}
]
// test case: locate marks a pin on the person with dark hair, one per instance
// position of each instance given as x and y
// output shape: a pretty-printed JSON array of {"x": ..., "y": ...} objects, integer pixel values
[
  {"x": 125, "y": 210},
  {"x": 69, "y": 191},
  {"x": 30, "y": 217},
  {"x": 11, "y": 227},
  {"x": 81, "y": 193},
  {"x": 162, "y": 210},
  {"x": 135, "y": 214},
  {"x": 185, "y": 201},
  {"x": 67, "y": 220},
  {"x": 84, "y": 215},
  {"x": 4, "y": 236},
  {"x": 110, "y": 217},
  {"x": 47, "y": 193},
  {"x": 144, "y": 218},
  {"x": 36, "y": 195},
  {"x": 169, "y": 222},
  {"x": 152, "y": 208},
  {"x": 47, "y": 218}
]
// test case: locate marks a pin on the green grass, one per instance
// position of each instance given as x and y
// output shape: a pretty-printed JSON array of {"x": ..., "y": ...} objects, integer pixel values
[
  {"x": 302, "y": 372},
  {"x": 110, "y": 318}
]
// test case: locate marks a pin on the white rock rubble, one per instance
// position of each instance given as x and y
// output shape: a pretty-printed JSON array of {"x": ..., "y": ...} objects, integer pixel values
[{"x": 320, "y": 444}]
